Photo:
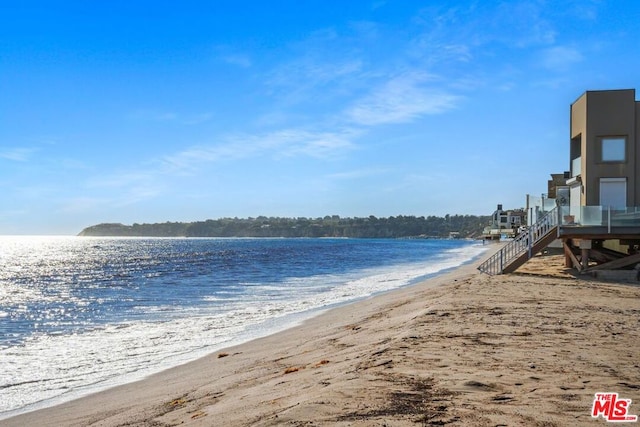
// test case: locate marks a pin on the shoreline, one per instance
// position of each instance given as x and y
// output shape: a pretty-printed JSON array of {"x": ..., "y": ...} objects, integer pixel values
[
  {"x": 461, "y": 348},
  {"x": 267, "y": 328}
]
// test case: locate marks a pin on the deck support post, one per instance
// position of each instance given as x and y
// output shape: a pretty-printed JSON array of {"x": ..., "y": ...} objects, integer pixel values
[
  {"x": 585, "y": 258},
  {"x": 568, "y": 263},
  {"x": 585, "y": 246}
]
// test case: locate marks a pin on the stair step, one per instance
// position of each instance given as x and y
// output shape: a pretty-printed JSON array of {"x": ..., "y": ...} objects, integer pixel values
[{"x": 524, "y": 246}]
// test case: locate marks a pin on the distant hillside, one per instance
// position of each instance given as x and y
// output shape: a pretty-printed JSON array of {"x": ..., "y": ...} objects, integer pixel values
[{"x": 329, "y": 226}]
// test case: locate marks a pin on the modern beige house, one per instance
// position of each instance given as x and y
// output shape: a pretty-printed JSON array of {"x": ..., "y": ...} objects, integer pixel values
[
  {"x": 597, "y": 213},
  {"x": 605, "y": 149}
]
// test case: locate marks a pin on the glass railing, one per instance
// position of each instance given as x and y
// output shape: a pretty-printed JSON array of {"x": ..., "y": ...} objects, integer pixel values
[
  {"x": 538, "y": 208},
  {"x": 626, "y": 217},
  {"x": 548, "y": 204},
  {"x": 576, "y": 167},
  {"x": 600, "y": 216}
]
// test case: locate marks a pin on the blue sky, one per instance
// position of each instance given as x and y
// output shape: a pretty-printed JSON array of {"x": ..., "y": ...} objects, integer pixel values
[{"x": 154, "y": 111}]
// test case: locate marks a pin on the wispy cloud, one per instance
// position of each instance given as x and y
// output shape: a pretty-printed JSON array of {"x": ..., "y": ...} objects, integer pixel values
[
  {"x": 437, "y": 46},
  {"x": 196, "y": 119},
  {"x": 415, "y": 182},
  {"x": 312, "y": 78},
  {"x": 137, "y": 194},
  {"x": 161, "y": 176},
  {"x": 560, "y": 58},
  {"x": 313, "y": 70},
  {"x": 121, "y": 179},
  {"x": 523, "y": 23},
  {"x": 464, "y": 32},
  {"x": 171, "y": 116},
  {"x": 322, "y": 145},
  {"x": 279, "y": 144},
  {"x": 126, "y": 195},
  {"x": 371, "y": 76},
  {"x": 496, "y": 44},
  {"x": 153, "y": 115},
  {"x": 356, "y": 174},
  {"x": 584, "y": 9},
  {"x": 241, "y": 60},
  {"x": 17, "y": 154},
  {"x": 233, "y": 55},
  {"x": 552, "y": 83},
  {"x": 378, "y": 4},
  {"x": 121, "y": 188},
  {"x": 83, "y": 204},
  {"x": 402, "y": 99},
  {"x": 324, "y": 65}
]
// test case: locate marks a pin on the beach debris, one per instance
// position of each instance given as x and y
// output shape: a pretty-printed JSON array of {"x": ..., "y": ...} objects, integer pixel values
[
  {"x": 198, "y": 414},
  {"x": 292, "y": 369},
  {"x": 221, "y": 355},
  {"x": 479, "y": 385},
  {"x": 625, "y": 384},
  {"x": 502, "y": 398},
  {"x": 180, "y": 401},
  {"x": 379, "y": 352},
  {"x": 416, "y": 398},
  {"x": 386, "y": 363}
]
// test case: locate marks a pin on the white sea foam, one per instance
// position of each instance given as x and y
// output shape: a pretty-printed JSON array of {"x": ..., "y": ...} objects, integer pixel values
[{"x": 115, "y": 354}]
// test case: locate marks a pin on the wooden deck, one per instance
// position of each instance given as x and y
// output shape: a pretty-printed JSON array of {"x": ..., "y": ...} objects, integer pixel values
[
  {"x": 582, "y": 244},
  {"x": 598, "y": 232},
  {"x": 585, "y": 249}
]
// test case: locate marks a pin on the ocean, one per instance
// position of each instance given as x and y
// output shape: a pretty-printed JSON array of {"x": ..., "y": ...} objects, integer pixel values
[{"x": 80, "y": 314}]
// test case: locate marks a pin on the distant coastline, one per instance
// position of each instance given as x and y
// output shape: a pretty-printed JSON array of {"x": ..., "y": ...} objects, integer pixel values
[{"x": 462, "y": 226}]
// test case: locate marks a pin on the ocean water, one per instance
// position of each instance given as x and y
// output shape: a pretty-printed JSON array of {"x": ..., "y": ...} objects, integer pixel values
[{"x": 82, "y": 314}]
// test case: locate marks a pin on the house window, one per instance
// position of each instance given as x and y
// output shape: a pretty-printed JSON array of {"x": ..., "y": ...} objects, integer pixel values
[
  {"x": 613, "y": 192},
  {"x": 613, "y": 149}
]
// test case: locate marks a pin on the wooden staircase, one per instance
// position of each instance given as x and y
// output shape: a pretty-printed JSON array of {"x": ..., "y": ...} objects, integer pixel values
[{"x": 524, "y": 246}]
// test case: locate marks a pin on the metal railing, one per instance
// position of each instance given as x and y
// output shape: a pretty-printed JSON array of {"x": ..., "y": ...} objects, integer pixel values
[{"x": 521, "y": 244}]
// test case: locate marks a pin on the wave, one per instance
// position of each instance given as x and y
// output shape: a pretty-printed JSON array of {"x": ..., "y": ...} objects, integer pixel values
[{"x": 107, "y": 355}]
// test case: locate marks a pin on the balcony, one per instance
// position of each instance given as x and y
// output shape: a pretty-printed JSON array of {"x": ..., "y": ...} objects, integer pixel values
[{"x": 599, "y": 220}]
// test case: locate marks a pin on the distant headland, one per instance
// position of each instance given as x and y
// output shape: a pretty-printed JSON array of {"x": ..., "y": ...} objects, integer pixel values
[{"x": 463, "y": 226}]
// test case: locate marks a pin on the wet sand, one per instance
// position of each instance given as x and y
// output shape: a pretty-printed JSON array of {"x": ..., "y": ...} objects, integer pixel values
[{"x": 459, "y": 349}]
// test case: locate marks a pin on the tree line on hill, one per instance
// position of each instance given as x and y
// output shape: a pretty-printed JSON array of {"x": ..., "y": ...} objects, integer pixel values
[{"x": 329, "y": 226}]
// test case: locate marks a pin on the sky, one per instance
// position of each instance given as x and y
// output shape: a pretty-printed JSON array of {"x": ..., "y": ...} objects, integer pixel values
[{"x": 155, "y": 111}]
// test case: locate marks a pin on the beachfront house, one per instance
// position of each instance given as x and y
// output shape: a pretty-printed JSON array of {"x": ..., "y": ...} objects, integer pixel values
[
  {"x": 604, "y": 153},
  {"x": 504, "y": 222},
  {"x": 597, "y": 211}
]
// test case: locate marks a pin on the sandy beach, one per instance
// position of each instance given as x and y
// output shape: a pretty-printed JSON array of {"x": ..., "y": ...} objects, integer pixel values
[{"x": 464, "y": 348}]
